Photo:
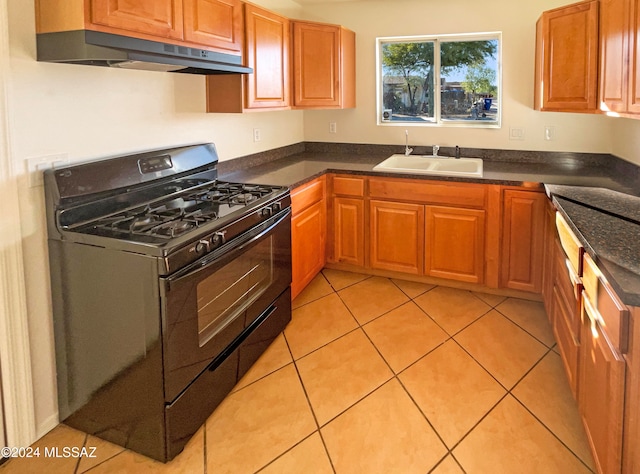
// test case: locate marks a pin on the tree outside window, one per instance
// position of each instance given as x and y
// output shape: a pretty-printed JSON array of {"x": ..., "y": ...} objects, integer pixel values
[{"x": 440, "y": 80}]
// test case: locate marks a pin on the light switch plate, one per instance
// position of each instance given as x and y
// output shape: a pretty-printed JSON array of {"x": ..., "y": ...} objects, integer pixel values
[{"x": 516, "y": 133}]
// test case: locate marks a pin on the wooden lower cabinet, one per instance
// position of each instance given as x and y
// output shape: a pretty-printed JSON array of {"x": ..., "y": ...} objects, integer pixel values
[
  {"x": 631, "y": 434},
  {"x": 348, "y": 230},
  {"x": 396, "y": 236},
  {"x": 454, "y": 247},
  {"x": 308, "y": 234},
  {"x": 523, "y": 240},
  {"x": 601, "y": 394}
]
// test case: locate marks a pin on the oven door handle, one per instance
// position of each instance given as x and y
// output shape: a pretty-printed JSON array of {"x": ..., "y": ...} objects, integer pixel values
[
  {"x": 241, "y": 338},
  {"x": 205, "y": 263}
]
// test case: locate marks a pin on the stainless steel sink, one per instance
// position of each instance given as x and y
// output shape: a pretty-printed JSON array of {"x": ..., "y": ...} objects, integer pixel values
[{"x": 433, "y": 165}]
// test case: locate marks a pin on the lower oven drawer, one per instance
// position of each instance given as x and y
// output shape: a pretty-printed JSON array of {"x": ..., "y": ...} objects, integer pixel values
[{"x": 191, "y": 409}]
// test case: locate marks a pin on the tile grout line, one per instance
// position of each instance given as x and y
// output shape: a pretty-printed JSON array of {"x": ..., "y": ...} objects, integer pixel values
[
  {"x": 549, "y": 351},
  {"x": 315, "y": 418},
  {"x": 395, "y": 376},
  {"x": 548, "y": 348}
]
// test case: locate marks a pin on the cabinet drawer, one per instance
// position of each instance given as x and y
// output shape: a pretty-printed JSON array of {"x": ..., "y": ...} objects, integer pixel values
[
  {"x": 612, "y": 314},
  {"x": 428, "y": 192},
  {"x": 304, "y": 196},
  {"x": 570, "y": 244},
  {"x": 348, "y": 186},
  {"x": 565, "y": 312},
  {"x": 569, "y": 287}
]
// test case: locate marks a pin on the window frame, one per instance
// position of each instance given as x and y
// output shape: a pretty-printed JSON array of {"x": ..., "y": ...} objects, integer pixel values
[{"x": 437, "y": 118}]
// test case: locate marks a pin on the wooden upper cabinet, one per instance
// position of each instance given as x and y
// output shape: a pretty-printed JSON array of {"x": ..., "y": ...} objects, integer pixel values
[
  {"x": 323, "y": 66},
  {"x": 633, "y": 98},
  {"x": 154, "y": 17},
  {"x": 567, "y": 59},
  {"x": 619, "y": 51},
  {"x": 215, "y": 23},
  {"x": 614, "y": 54},
  {"x": 267, "y": 52}
]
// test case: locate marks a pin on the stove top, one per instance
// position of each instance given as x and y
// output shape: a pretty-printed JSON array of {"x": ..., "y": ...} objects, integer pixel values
[
  {"x": 181, "y": 212},
  {"x": 166, "y": 203}
]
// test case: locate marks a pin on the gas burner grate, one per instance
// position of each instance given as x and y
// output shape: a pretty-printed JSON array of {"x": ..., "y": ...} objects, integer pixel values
[{"x": 179, "y": 213}]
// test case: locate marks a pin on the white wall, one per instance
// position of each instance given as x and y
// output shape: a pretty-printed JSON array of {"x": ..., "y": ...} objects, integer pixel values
[
  {"x": 625, "y": 139},
  {"x": 86, "y": 112},
  {"x": 516, "y": 20}
]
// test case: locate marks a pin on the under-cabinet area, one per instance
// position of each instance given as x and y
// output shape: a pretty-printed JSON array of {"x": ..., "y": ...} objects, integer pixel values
[
  {"x": 508, "y": 240},
  {"x": 487, "y": 235}
]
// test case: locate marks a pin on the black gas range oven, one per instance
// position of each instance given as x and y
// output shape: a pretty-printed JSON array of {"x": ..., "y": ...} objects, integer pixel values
[{"x": 167, "y": 284}]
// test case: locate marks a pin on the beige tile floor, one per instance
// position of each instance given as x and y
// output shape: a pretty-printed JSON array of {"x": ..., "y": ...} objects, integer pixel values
[{"x": 375, "y": 375}]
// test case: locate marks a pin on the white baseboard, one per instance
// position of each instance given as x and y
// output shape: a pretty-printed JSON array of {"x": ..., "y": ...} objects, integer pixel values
[{"x": 47, "y": 425}]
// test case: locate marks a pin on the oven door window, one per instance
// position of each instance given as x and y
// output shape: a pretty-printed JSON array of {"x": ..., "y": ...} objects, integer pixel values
[{"x": 227, "y": 293}]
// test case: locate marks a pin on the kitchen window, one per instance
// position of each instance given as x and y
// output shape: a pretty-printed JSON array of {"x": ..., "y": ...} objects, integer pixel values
[{"x": 446, "y": 80}]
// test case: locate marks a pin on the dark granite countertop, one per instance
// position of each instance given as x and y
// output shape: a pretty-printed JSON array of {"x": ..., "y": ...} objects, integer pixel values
[{"x": 598, "y": 194}]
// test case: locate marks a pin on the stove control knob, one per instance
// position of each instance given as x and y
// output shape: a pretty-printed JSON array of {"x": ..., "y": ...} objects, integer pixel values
[
  {"x": 277, "y": 206},
  {"x": 202, "y": 246},
  {"x": 218, "y": 239},
  {"x": 267, "y": 212}
]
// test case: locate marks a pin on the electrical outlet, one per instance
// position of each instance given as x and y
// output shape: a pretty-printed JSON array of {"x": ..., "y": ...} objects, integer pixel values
[
  {"x": 257, "y": 135},
  {"x": 549, "y": 132},
  {"x": 38, "y": 164},
  {"x": 333, "y": 128},
  {"x": 516, "y": 133}
]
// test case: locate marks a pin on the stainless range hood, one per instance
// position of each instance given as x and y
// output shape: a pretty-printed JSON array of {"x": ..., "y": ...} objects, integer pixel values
[{"x": 105, "y": 49}]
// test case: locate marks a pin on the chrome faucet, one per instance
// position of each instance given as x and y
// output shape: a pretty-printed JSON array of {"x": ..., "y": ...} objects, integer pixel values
[
  {"x": 435, "y": 150},
  {"x": 407, "y": 150}
]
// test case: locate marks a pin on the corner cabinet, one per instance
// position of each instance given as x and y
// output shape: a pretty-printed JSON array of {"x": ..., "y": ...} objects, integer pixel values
[
  {"x": 267, "y": 48},
  {"x": 210, "y": 24},
  {"x": 619, "y": 54},
  {"x": 308, "y": 233},
  {"x": 323, "y": 66},
  {"x": 523, "y": 220},
  {"x": 346, "y": 221},
  {"x": 566, "y": 67}
]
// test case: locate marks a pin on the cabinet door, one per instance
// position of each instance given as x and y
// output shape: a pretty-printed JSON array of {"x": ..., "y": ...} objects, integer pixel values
[
  {"x": 601, "y": 394},
  {"x": 214, "y": 23},
  {"x": 523, "y": 240},
  {"x": 397, "y": 236},
  {"x": 634, "y": 59},
  {"x": 308, "y": 241},
  {"x": 267, "y": 52},
  {"x": 162, "y": 18},
  {"x": 567, "y": 58},
  {"x": 316, "y": 65},
  {"x": 548, "y": 272},
  {"x": 455, "y": 243},
  {"x": 614, "y": 53},
  {"x": 348, "y": 230},
  {"x": 568, "y": 346}
]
